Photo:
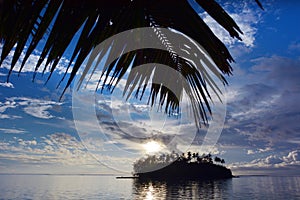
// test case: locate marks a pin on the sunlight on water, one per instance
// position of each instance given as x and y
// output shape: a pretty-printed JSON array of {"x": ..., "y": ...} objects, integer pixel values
[{"x": 108, "y": 187}]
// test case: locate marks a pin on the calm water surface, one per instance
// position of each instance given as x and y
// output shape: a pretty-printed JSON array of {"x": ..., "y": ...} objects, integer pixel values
[{"x": 108, "y": 187}]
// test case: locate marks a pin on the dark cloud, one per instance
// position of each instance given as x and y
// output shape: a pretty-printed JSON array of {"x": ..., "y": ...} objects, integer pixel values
[
  {"x": 267, "y": 109},
  {"x": 280, "y": 71}
]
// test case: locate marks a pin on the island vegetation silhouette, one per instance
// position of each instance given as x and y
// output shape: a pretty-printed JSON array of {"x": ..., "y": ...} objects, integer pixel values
[{"x": 189, "y": 166}]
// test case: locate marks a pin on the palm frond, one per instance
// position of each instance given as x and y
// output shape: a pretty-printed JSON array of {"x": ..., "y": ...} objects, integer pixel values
[{"x": 27, "y": 23}]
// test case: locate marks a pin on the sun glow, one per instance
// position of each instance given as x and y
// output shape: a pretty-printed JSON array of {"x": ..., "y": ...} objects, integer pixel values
[{"x": 152, "y": 147}]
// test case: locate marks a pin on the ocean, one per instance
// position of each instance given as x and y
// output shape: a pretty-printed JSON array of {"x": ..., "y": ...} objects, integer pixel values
[{"x": 108, "y": 187}]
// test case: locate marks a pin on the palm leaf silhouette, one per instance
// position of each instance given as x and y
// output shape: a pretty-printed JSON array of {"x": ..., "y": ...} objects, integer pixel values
[{"x": 27, "y": 23}]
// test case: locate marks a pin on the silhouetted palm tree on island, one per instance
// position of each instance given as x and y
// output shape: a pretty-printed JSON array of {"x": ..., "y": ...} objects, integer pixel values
[
  {"x": 56, "y": 22},
  {"x": 217, "y": 159},
  {"x": 182, "y": 166}
]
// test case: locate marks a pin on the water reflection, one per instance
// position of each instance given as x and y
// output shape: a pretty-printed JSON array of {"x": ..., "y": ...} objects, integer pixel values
[
  {"x": 264, "y": 187},
  {"x": 217, "y": 189},
  {"x": 109, "y": 188}
]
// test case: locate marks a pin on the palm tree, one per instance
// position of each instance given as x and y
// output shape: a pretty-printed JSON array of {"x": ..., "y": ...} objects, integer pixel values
[
  {"x": 27, "y": 23},
  {"x": 223, "y": 161},
  {"x": 189, "y": 154},
  {"x": 194, "y": 156},
  {"x": 217, "y": 159}
]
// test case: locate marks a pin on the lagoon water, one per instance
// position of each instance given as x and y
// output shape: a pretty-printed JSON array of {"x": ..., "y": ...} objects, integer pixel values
[{"x": 108, "y": 187}]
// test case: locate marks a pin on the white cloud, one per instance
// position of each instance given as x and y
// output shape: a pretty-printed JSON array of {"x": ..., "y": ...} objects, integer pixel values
[
  {"x": 6, "y": 105},
  {"x": 250, "y": 151},
  {"x": 38, "y": 108},
  {"x": 12, "y": 131},
  {"x": 57, "y": 148},
  {"x": 265, "y": 150},
  {"x": 7, "y": 84},
  {"x": 4, "y": 116},
  {"x": 292, "y": 157},
  {"x": 245, "y": 17},
  {"x": 27, "y": 143},
  {"x": 271, "y": 164},
  {"x": 39, "y": 111},
  {"x": 3, "y": 108}
]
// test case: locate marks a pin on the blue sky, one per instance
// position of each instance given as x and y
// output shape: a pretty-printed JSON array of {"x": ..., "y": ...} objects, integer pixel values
[{"x": 261, "y": 130}]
